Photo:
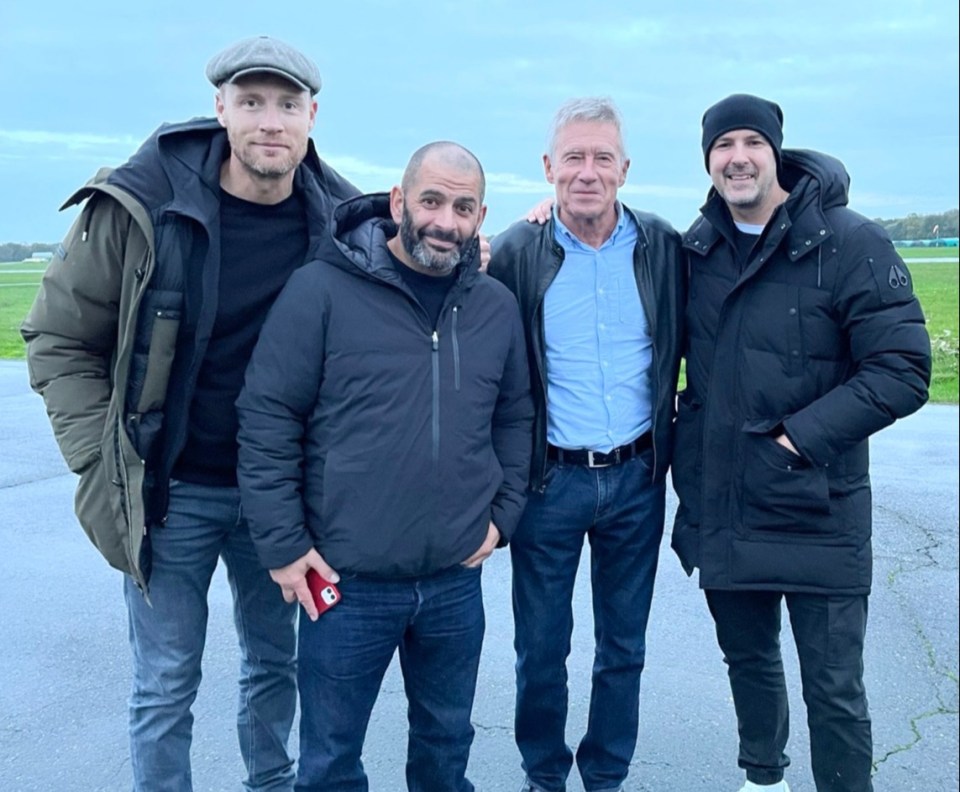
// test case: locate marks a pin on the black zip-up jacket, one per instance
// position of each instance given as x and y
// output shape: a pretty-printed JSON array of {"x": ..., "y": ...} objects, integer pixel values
[
  {"x": 819, "y": 336},
  {"x": 526, "y": 257},
  {"x": 386, "y": 442}
]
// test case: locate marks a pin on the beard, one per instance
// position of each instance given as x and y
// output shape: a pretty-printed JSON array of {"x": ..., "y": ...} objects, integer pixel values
[
  {"x": 439, "y": 261},
  {"x": 275, "y": 167}
]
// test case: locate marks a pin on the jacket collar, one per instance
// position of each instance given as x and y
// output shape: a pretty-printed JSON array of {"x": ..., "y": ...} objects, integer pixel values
[
  {"x": 816, "y": 183},
  {"x": 359, "y": 232}
]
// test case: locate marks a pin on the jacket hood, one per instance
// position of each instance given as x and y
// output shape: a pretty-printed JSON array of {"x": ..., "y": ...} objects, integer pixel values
[
  {"x": 359, "y": 233},
  {"x": 174, "y": 153},
  {"x": 164, "y": 171},
  {"x": 816, "y": 183},
  {"x": 828, "y": 172}
]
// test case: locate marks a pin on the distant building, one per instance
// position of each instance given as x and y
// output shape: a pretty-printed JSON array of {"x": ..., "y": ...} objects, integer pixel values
[{"x": 40, "y": 255}]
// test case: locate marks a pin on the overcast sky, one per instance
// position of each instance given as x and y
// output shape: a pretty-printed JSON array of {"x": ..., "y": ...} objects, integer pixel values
[{"x": 872, "y": 82}]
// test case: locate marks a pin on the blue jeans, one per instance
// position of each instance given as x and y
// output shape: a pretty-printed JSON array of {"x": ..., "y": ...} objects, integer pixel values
[
  {"x": 437, "y": 623},
  {"x": 621, "y": 513},
  {"x": 829, "y": 632},
  {"x": 203, "y": 524}
]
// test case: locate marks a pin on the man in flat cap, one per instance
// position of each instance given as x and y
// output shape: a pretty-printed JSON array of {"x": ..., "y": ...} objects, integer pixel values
[
  {"x": 138, "y": 342},
  {"x": 804, "y": 338}
]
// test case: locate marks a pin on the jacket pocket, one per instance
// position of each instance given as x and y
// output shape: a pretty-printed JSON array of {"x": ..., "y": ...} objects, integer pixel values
[
  {"x": 781, "y": 490},
  {"x": 98, "y": 507},
  {"x": 687, "y": 469},
  {"x": 158, "y": 324},
  {"x": 163, "y": 345}
]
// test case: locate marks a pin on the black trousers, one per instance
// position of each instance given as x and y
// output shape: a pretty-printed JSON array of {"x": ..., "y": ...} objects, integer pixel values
[{"x": 829, "y": 633}]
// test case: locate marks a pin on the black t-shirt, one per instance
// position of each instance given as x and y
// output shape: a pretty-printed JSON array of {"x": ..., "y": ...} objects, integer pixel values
[
  {"x": 745, "y": 243},
  {"x": 260, "y": 246},
  {"x": 430, "y": 290}
]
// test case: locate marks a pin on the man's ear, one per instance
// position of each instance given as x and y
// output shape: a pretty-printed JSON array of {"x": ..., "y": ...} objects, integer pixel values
[
  {"x": 481, "y": 216},
  {"x": 548, "y": 168},
  {"x": 396, "y": 204},
  {"x": 218, "y": 106}
]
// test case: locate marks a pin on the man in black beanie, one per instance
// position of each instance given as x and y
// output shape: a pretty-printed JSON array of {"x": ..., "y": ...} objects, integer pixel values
[{"x": 804, "y": 338}]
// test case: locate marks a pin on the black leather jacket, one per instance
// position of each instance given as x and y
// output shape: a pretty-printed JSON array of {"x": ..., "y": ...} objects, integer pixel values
[{"x": 526, "y": 257}]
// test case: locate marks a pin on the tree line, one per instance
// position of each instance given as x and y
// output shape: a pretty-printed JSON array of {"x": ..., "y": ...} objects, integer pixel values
[
  {"x": 15, "y": 251},
  {"x": 931, "y": 226},
  {"x": 913, "y": 226}
]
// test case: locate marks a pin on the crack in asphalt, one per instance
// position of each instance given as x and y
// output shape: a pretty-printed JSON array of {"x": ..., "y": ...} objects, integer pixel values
[
  {"x": 917, "y": 735},
  {"x": 492, "y": 729},
  {"x": 894, "y": 577},
  {"x": 120, "y": 767},
  {"x": 40, "y": 479}
]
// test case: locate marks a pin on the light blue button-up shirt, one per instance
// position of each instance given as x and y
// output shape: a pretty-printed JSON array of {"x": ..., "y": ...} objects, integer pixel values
[{"x": 599, "y": 347}]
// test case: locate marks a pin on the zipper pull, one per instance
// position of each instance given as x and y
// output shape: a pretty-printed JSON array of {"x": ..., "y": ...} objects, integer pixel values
[{"x": 436, "y": 341}]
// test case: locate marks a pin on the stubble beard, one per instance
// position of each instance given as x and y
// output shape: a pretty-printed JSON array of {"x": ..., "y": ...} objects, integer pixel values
[{"x": 268, "y": 167}]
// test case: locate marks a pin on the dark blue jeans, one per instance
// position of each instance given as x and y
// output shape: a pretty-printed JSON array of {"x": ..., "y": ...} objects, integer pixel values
[
  {"x": 203, "y": 525},
  {"x": 620, "y": 512},
  {"x": 437, "y": 623},
  {"x": 829, "y": 633}
]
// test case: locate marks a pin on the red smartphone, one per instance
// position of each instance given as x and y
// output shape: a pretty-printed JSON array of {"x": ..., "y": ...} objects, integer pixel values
[{"x": 325, "y": 594}]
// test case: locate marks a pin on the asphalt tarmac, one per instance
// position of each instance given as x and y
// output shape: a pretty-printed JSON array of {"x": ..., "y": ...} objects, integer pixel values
[{"x": 64, "y": 658}]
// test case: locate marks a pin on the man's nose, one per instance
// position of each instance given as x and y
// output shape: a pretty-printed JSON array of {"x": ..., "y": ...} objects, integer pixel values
[
  {"x": 270, "y": 120},
  {"x": 445, "y": 217},
  {"x": 588, "y": 172},
  {"x": 738, "y": 153}
]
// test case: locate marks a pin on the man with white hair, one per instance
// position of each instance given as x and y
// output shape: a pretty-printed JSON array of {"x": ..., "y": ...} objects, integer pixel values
[{"x": 599, "y": 287}]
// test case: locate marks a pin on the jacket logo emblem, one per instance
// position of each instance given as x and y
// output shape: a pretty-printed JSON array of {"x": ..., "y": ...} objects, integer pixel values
[{"x": 897, "y": 277}]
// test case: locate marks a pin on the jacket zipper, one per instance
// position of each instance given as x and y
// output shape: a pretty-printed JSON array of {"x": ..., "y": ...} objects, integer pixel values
[
  {"x": 456, "y": 350},
  {"x": 435, "y": 360}
]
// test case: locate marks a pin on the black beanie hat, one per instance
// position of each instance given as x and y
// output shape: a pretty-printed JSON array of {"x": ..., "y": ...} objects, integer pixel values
[{"x": 743, "y": 111}]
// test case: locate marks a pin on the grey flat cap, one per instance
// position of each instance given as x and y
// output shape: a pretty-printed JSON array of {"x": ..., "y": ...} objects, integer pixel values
[{"x": 264, "y": 54}]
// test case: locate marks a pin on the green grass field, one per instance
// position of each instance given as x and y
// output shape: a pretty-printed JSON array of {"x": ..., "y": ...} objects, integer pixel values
[
  {"x": 18, "y": 285},
  {"x": 950, "y": 254},
  {"x": 936, "y": 285}
]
